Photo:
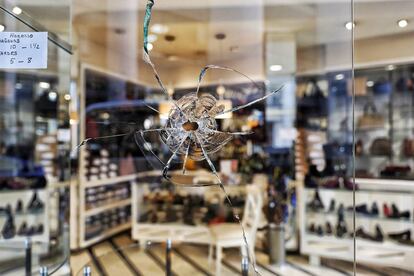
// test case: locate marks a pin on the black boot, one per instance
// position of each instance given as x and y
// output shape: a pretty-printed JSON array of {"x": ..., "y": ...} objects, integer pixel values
[
  {"x": 328, "y": 228},
  {"x": 9, "y": 229},
  {"x": 379, "y": 236},
  {"x": 19, "y": 206},
  {"x": 332, "y": 206},
  {"x": 374, "y": 209}
]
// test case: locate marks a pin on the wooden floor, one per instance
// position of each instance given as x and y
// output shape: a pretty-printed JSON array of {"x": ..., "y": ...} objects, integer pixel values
[{"x": 105, "y": 258}]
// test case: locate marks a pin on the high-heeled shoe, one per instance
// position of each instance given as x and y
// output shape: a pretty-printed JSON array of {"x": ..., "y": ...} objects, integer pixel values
[
  {"x": 22, "y": 229},
  {"x": 316, "y": 203},
  {"x": 35, "y": 204}
]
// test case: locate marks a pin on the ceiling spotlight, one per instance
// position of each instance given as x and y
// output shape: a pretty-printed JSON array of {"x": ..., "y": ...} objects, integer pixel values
[
  {"x": 339, "y": 77},
  {"x": 370, "y": 83},
  {"x": 2, "y": 28},
  {"x": 220, "y": 90},
  {"x": 44, "y": 85},
  {"x": 150, "y": 46},
  {"x": 17, "y": 10},
  {"x": 275, "y": 67},
  {"x": 402, "y": 23},
  {"x": 390, "y": 67},
  {"x": 350, "y": 25},
  {"x": 152, "y": 38},
  {"x": 159, "y": 29},
  {"x": 52, "y": 96},
  {"x": 67, "y": 97}
]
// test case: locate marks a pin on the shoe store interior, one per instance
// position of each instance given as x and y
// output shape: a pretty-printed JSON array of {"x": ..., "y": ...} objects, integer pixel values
[{"x": 155, "y": 137}]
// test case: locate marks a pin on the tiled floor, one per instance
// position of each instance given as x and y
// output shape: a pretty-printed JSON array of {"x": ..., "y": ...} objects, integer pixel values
[{"x": 104, "y": 259}]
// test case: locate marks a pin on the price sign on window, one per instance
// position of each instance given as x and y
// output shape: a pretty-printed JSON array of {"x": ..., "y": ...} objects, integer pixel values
[{"x": 23, "y": 50}]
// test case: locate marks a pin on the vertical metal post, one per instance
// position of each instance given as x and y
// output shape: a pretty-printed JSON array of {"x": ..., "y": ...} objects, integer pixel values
[
  {"x": 87, "y": 271},
  {"x": 28, "y": 257},
  {"x": 43, "y": 271},
  {"x": 245, "y": 266},
  {"x": 168, "y": 259}
]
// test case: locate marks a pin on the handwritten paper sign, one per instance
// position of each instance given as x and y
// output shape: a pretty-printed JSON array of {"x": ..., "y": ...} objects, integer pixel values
[{"x": 23, "y": 50}]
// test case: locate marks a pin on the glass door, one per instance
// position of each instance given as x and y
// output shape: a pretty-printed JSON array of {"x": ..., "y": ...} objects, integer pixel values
[{"x": 35, "y": 144}]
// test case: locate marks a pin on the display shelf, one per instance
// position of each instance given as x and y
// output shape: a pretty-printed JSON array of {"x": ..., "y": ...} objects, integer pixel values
[
  {"x": 360, "y": 217},
  {"x": 105, "y": 234},
  {"x": 394, "y": 254},
  {"x": 105, "y": 207},
  {"x": 108, "y": 181}
]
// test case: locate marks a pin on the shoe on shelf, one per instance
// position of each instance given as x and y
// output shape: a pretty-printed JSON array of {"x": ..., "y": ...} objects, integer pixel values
[
  {"x": 386, "y": 210},
  {"x": 31, "y": 231},
  {"x": 400, "y": 236},
  {"x": 319, "y": 230},
  {"x": 312, "y": 228},
  {"x": 35, "y": 204},
  {"x": 316, "y": 203},
  {"x": 374, "y": 209},
  {"x": 39, "y": 229},
  {"x": 395, "y": 213},
  {"x": 22, "y": 229},
  {"x": 341, "y": 229},
  {"x": 332, "y": 206},
  {"x": 379, "y": 236},
  {"x": 328, "y": 228},
  {"x": 9, "y": 229},
  {"x": 404, "y": 214},
  {"x": 19, "y": 206}
]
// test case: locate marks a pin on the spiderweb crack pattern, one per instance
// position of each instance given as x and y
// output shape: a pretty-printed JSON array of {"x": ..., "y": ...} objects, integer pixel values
[{"x": 191, "y": 130}]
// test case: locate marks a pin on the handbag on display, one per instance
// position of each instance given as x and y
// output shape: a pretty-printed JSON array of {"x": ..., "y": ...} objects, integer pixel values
[
  {"x": 382, "y": 87},
  {"x": 371, "y": 118},
  {"x": 339, "y": 88},
  {"x": 314, "y": 102},
  {"x": 395, "y": 171},
  {"x": 408, "y": 147},
  {"x": 360, "y": 86},
  {"x": 381, "y": 146},
  {"x": 404, "y": 84}
]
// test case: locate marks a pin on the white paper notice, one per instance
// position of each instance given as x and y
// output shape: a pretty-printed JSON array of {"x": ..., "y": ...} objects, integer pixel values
[{"x": 24, "y": 50}]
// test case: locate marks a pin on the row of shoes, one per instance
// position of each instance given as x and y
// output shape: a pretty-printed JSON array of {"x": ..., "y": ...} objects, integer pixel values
[
  {"x": 97, "y": 224},
  {"x": 35, "y": 204},
  {"x": 98, "y": 196},
  {"x": 316, "y": 204},
  {"x": 403, "y": 237},
  {"x": 9, "y": 228},
  {"x": 388, "y": 212}
]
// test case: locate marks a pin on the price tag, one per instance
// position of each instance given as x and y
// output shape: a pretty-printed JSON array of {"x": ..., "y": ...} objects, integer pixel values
[{"x": 23, "y": 50}]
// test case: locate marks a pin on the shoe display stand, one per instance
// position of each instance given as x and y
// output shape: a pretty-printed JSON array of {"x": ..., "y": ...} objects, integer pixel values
[
  {"x": 378, "y": 248},
  {"x": 86, "y": 212},
  {"x": 177, "y": 231},
  {"x": 13, "y": 247}
]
